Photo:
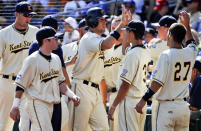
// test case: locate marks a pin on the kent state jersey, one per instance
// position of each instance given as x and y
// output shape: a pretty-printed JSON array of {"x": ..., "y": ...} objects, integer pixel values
[
  {"x": 14, "y": 48},
  {"x": 40, "y": 78}
]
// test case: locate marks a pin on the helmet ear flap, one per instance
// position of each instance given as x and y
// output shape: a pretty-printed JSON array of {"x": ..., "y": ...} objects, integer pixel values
[{"x": 91, "y": 22}]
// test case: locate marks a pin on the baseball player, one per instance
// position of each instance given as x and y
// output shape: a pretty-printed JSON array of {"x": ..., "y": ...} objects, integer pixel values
[
  {"x": 88, "y": 70},
  {"x": 159, "y": 44},
  {"x": 172, "y": 73},
  {"x": 70, "y": 50},
  {"x": 60, "y": 109},
  {"x": 156, "y": 47},
  {"x": 133, "y": 76},
  {"x": 113, "y": 59},
  {"x": 15, "y": 40},
  {"x": 42, "y": 84}
]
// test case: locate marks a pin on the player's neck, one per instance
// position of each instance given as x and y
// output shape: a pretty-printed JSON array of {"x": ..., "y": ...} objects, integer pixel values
[
  {"x": 19, "y": 27},
  {"x": 45, "y": 51},
  {"x": 176, "y": 45},
  {"x": 94, "y": 30},
  {"x": 137, "y": 42}
]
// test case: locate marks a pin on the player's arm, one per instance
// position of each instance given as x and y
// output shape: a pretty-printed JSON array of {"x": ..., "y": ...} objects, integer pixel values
[
  {"x": 15, "y": 114},
  {"x": 109, "y": 41},
  {"x": 72, "y": 61},
  {"x": 185, "y": 20},
  {"x": 67, "y": 80},
  {"x": 66, "y": 91},
  {"x": 2, "y": 44},
  {"x": 103, "y": 90},
  {"x": 124, "y": 88},
  {"x": 155, "y": 86}
]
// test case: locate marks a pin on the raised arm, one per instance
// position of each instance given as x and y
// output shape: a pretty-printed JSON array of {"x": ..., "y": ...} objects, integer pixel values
[
  {"x": 185, "y": 20},
  {"x": 110, "y": 40}
]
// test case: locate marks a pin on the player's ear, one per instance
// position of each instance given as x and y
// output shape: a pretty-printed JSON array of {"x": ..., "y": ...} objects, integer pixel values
[{"x": 16, "y": 14}]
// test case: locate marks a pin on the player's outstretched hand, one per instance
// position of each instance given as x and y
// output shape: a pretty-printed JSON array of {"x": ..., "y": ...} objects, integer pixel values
[
  {"x": 111, "y": 112},
  {"x": 184, "y": 18},
  {"x": 76, "y": 100},
  {"x": 140, "y": 105},
  {"x": 126, "y": 15},
  {"x": 15, "y": 113}
]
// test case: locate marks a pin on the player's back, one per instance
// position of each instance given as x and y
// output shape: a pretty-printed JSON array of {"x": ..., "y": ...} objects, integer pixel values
[
  {"x": 177, "y": 72},
  {"x": 135, "y": 70}
]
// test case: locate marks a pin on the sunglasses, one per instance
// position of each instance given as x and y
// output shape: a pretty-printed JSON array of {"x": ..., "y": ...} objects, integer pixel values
[
  {"x": 28, "y": 15},
  {"x": 53, "y": 37}
]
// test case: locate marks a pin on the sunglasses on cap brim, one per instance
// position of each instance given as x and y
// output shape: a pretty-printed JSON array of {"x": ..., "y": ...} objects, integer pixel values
[
  {"x": 28, "y": 15},
  {"x": 53, "y": 37}
]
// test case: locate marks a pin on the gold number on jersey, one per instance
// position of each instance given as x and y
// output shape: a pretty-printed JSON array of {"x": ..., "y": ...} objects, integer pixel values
[
  {"x": 178, "y": 67},
  {"x": 145, "y": 72},
  {"x": 186, "y": 65}
]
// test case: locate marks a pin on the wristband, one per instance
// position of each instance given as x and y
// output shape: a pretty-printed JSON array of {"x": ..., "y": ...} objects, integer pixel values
[
  {"x": 115, "y": 34},
  {"x": 148, "y": 94},
  {"x": 16, "y": 102},
  {"x": 70, "y": 94}
]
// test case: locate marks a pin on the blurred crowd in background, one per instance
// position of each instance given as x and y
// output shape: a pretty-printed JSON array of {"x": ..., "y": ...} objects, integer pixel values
[{"x": 148, "y": 11}]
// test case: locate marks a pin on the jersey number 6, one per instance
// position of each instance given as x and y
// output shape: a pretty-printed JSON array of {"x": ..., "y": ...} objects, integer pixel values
[{"x": 178, "y": 66}]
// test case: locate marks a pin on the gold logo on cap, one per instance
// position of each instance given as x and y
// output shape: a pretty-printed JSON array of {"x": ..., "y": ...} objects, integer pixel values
[
  {"x": 29, "y": 7},
  {"x": 102, "y": 11}
]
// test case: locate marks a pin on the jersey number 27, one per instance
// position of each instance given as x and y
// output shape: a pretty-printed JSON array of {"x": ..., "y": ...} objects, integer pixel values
[{"x": 179, "y": 67}]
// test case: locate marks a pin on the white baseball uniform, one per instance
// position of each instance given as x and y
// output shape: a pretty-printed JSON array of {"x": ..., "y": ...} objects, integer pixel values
[
  {"x": 40, "y": 80},
  {"x": 13, "y": 50},
  {"x": 87, "y": 73},
  {"x": 112, "y": 61},
  {"x": 156, "y": 47},
  {"x": 134, "y": 72},
  {"x": 69, "y": 51},
  {"x": 173, "y": 72}
]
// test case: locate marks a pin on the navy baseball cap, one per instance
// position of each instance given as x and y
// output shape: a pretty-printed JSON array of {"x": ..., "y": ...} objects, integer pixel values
[
  {"x": 137, "y": 27},
  {"x": 50, "y": 21},
  {"x": 46, "y": 32},
  {"x": 190, "y": 1},
  {"x": 197, "y": 65},
  {"x": 25, "y": 8},
  {"x": 166, "y": 21},
  {"x": 82, "y": 23},
  {"x": 150, "y": 31}
]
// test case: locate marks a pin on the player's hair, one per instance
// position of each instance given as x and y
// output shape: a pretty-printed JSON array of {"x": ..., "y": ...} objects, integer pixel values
[
  {"x": 40, "y": 43},
  {"x": 178, "y": 32}
]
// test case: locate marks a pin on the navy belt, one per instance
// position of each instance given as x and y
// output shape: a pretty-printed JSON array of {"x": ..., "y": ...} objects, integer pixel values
[
  {"x": 112, "y": 90},
  {"x": 185, "y": 99},
  {"x": 8, "y": 77},
  {"x": 92, "y": 84}
]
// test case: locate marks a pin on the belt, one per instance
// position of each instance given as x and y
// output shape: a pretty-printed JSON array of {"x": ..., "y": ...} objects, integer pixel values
[
  {"x": 185, "y": 99},
  {"x": 112, "y": 90},
  {"x": 9, "y": 77},
  {"x": 92, "y": 84}
]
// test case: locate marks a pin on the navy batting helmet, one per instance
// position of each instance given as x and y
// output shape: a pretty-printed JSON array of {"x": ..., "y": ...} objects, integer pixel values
[{"x": 93, "y": 14}]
